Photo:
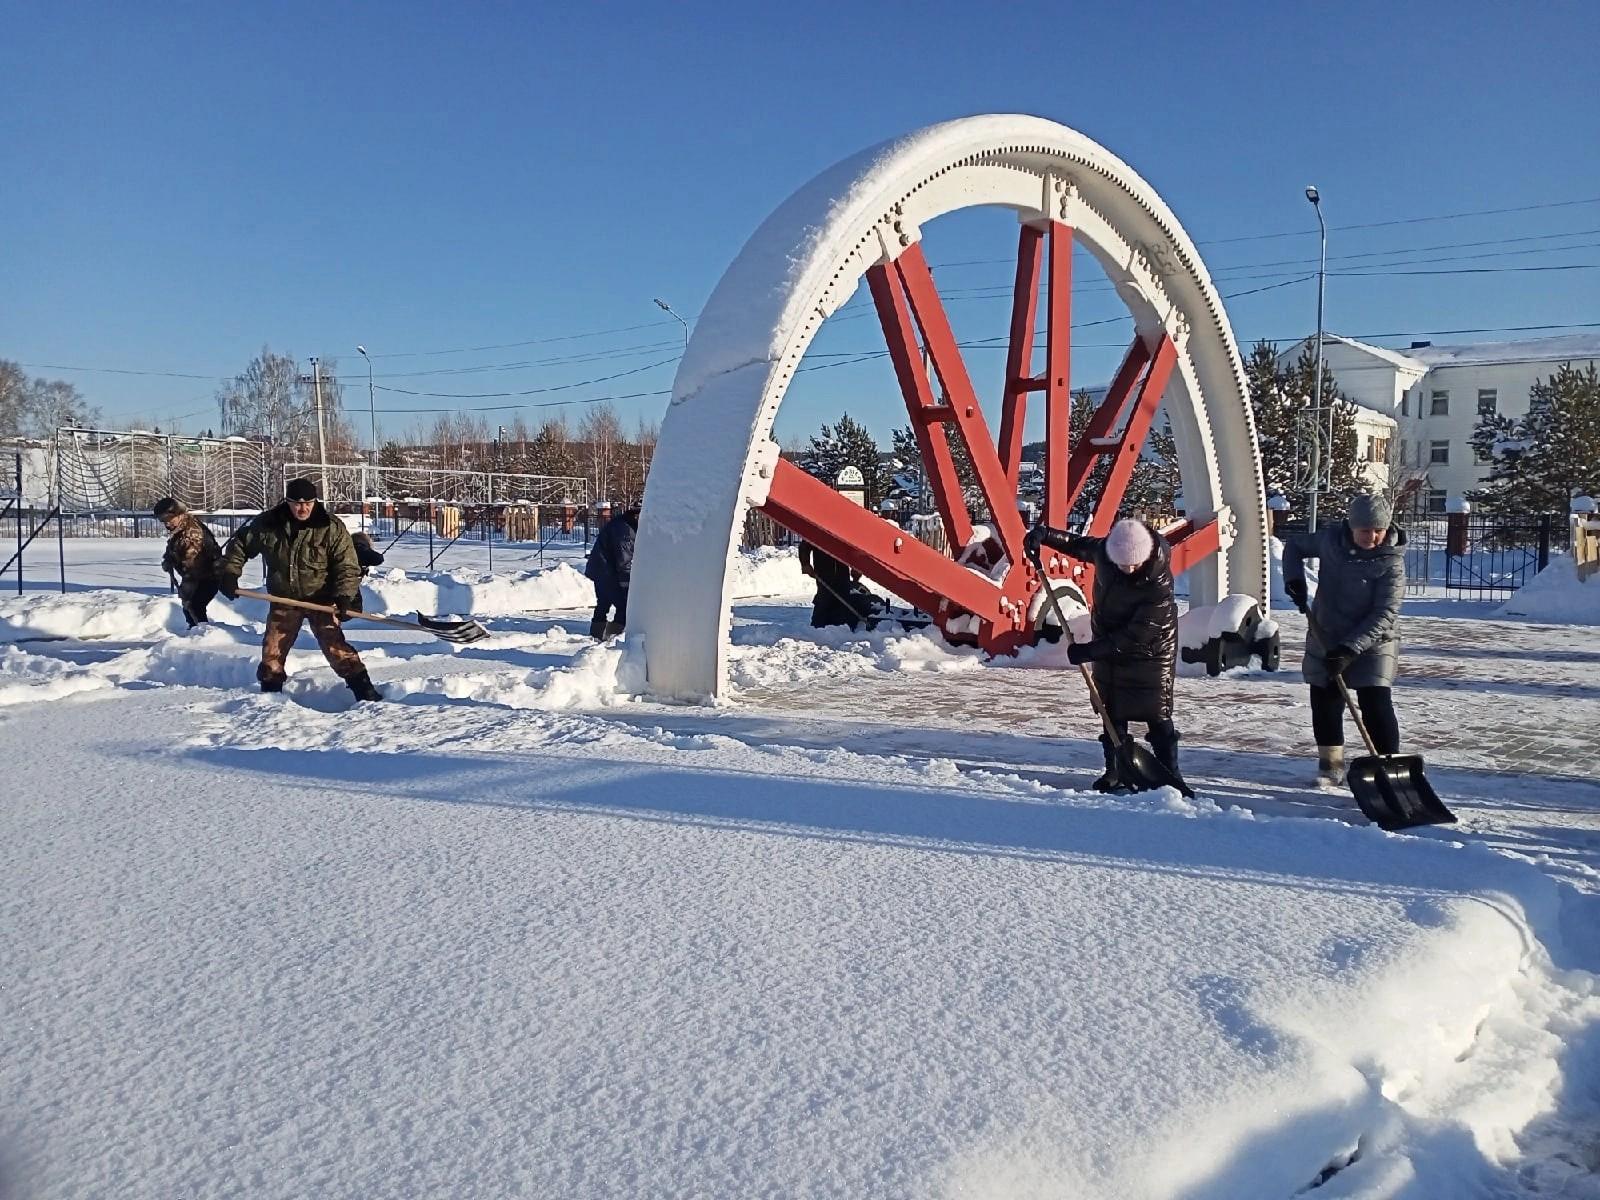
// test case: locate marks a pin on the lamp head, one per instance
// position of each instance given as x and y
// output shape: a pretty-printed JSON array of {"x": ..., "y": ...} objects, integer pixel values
[
  {"x": 663, "y": 305},
  {"x": 1311, "y": 195},
  {"x": 361, "y": 350}
]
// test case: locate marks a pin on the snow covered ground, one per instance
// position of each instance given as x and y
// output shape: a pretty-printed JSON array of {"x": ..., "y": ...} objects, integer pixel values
[{"x": 861, "y": 932}]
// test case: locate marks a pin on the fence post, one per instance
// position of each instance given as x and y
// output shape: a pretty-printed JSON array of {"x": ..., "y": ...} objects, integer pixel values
[
  {"x": 61, "y": 551},
  {"x": 19, "y": 522},
  {"x": 1544, "y": 540}
]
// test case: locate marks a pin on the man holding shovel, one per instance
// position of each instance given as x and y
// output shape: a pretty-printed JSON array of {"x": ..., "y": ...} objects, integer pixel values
[{"x": 309, "y": 556}]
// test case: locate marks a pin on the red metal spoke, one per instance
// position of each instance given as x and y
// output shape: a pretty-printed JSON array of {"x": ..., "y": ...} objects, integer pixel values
[
  {"x": 965, "y": 412},
  {"x": 881, "y": 551},
  {"x": 925, "y": 412},
  {"x": 1019, "y": 357},
  {"x": 1058, "y": 359},
  {"x": 1192, "y": 541},
  {"x": 1132, "y": 439},
  {"x": 1104, "y": 419}
]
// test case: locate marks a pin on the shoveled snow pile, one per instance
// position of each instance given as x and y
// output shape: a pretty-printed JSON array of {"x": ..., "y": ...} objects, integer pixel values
[
  {"x": 1557, "y": 595},
  {"x": 769, "y": 571},
  {"x": 113, "y": 615},
  {"x": 555, "y": 587}
]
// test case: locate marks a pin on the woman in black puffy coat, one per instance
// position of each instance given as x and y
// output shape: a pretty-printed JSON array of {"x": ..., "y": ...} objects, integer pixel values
[{"x": 1134, "y": 617}]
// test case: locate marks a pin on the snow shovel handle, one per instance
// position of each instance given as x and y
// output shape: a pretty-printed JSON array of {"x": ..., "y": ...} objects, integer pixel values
[
  {"x": 1088, "y": 679},
  {"x": 311, "y": 606},
  {"x": 1344, "y": 688}
]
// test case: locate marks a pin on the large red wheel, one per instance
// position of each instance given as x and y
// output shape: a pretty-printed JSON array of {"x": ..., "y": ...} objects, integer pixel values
[{"x": 863, "y": 221}]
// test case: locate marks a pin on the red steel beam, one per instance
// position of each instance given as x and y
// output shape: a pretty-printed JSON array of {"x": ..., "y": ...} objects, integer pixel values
[
  {"x": 1191, "y": 542},
  {"x": 881, "y": 551},
  {"x": 1104, "y": 418},
  {"x": 1019, "y": 357},
  {"x": 926, "y": 413},
  {"x": 1132, "y": 440},
  {"x": 1058, "y": 362},
  {"x": 940, "y": 340}
]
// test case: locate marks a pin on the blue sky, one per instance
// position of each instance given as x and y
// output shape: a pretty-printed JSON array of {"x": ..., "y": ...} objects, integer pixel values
[{"x": 186, "y": 183}]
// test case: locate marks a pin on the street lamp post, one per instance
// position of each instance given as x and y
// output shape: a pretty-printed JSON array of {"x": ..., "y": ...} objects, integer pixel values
[
  {"x": 667, "y": 308},
  {"x": 372, "y": 411},
  {"x": 1316, "y": 387}
]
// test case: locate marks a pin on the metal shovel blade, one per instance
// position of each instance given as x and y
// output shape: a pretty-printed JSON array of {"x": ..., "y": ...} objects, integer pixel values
[
  {"x": 460, "y": 632},
  {"x": 1141, "y": 771},
  {"x": 1394, "y": 793}
]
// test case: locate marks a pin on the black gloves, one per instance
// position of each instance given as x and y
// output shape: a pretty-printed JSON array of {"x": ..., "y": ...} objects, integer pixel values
[
  {"x": 1082, "y": 652},
  {"x": 1340, "y": 658},
  {"x": 1033, "y": 541},
  {"x": 1295, "y": 589},
  {"x": 168, "y": 563},
  {"x": 228, "y": 585},
  {"x": 347, "y": 604}
]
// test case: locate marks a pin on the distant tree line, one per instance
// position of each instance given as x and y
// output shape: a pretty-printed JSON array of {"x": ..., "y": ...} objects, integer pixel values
[
  {"x": 35, "y": 407},
  {"x": 1538, "y": 462}
]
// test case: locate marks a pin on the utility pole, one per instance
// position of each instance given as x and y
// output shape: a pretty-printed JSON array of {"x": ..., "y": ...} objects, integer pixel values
[
  {"x": 1316, "y": 386},
  {"x": 322, "y": 445}
]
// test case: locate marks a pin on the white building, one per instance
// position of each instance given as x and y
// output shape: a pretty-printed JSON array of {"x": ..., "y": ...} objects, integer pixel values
[
  {"x": 1435, "y": 394},
  {"x": 1375, "y": 379}
]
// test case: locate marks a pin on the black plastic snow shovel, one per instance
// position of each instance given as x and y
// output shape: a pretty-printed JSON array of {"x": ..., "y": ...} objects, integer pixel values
[
  {"x": 1390, "y": 788},
  {"x": 872, "y": 620},
  {"x": 460, "y": 632},
  {"x": 1136, "y": 769}
]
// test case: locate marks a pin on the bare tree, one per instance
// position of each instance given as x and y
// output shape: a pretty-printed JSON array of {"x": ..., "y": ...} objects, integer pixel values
[
  {"x": 14, "y": 384},
  {"x": 599, "y": 443}
]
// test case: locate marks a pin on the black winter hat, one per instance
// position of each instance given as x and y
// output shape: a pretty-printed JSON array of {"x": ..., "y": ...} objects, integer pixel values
[
  {"x": 301, "y": 489},
  {"x": 168, "y": 507}
]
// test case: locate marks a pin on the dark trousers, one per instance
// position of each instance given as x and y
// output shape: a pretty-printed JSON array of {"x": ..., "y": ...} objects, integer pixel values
[
  {"x": 1163, "y": 739},
  {"x": 283, "y": 626},
  {"x": 195, "y": 597},
  {"x": 1377, "y": 710},
  {"x": 604, "y": 601}
]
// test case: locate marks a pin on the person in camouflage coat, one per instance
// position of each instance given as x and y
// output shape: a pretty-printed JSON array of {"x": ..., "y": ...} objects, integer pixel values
[
  {"x": 309, "y": 556},
  {"x": 192, "y": 558}
]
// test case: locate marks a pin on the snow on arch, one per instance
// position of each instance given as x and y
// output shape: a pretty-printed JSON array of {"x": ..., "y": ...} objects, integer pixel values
[{"x": 715, "y": 454}]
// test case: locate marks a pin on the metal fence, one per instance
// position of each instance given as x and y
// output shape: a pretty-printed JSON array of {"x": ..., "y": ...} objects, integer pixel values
[{"x": 100, "y": 471}]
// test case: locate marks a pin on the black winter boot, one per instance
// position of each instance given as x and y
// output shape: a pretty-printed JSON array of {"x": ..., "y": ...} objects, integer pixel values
[
  {"x": 361, "y": 685},
  {"x": 272, "y": 683},
  {"x": 597, "y": 629},
  {"x": 1111, "y": 781},
  {"x": 1164, "y": 744},
  {"x": 612, "y": 630}
]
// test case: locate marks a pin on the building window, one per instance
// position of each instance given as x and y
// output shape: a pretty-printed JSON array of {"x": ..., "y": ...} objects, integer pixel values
[
  {"x": 1439, "y": 453},
  {"x": 1436, "y": 500},
  {"x": 1440, "y": 404},
  {"x": 1405, "y": 404},
  {"x": 1378, "y": 450},
  {"x": 1488, "y": 401}
]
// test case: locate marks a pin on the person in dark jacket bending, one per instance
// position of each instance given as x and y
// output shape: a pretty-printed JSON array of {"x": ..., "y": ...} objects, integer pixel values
[
  {"x": 1360, "y": 582},
  {"x": 1134, "y": 618},
  {"x": 309, "y": 556},
  {"x": 837, "y": 589},
  {"x": 192, "y": 557},
  {"x": 610, "y": 567}
]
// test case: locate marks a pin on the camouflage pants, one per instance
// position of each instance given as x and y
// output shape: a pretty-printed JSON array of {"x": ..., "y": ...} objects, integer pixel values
[{"x": 283, "y": 626}]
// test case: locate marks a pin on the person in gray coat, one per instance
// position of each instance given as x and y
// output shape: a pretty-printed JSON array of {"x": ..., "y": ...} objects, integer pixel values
[{"x": 1360, "y": 582}]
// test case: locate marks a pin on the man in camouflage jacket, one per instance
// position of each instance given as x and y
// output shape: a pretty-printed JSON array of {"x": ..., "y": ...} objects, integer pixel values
[
  {"x": 309, "y": 556},
  {"x": 192, "y": 557}
]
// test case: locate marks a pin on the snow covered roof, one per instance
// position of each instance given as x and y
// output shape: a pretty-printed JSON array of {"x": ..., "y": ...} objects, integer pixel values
[
  {"x": 1567, "y": 347},
  {"x": 1394, "y": 358}
]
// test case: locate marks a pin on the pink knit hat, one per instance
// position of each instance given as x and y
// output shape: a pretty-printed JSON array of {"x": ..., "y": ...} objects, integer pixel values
[{"x": 1129, "y": 544}]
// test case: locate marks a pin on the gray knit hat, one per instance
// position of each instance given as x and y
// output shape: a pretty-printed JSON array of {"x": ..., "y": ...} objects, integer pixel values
[{"x": 1369, "y": 512}]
